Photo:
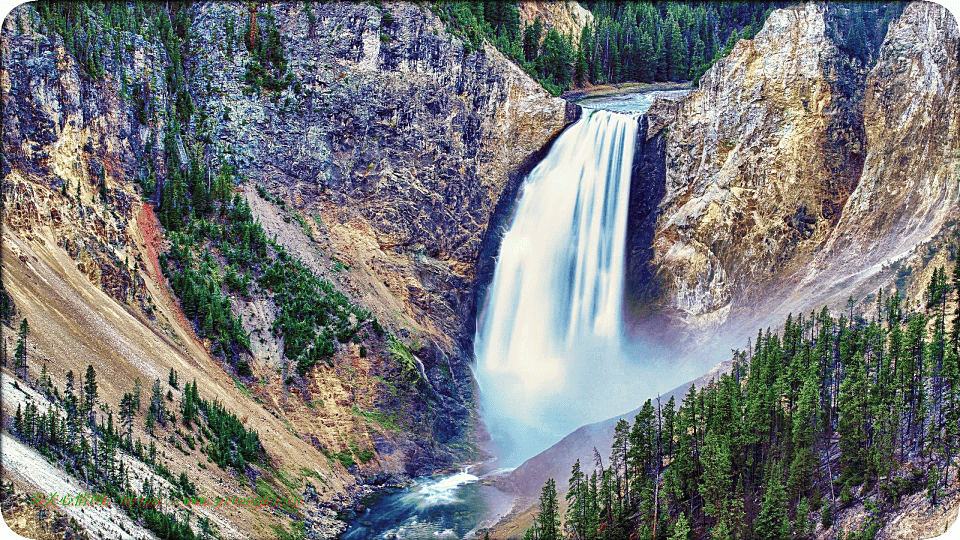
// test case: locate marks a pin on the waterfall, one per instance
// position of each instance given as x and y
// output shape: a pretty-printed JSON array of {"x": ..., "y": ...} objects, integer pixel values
[{"x": 552, "y": 320}]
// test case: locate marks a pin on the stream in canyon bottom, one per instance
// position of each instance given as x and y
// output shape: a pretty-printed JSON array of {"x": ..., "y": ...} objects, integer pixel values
[
  {"x": 448, "y": 507},
  {"x": 551, "y": 328}
]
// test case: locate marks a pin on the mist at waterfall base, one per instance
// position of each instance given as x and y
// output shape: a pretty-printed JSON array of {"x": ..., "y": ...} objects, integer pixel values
[{"x": 551, "y": 354}]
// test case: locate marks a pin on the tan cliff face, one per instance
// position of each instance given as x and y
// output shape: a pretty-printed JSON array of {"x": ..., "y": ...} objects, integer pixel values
[
  {"x": 908, "y": 191},
  {"x": 567, "y": 17},
  {"x": 796, "y": 170}
]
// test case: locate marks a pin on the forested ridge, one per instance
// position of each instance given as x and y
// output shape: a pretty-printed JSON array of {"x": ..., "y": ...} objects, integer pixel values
[
  {"x": 835, "y": 411},
  {"x": 643, "y": 41}
]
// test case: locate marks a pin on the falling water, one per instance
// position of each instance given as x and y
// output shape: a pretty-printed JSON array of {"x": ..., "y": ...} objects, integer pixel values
[{"x": 551, "y": 327}]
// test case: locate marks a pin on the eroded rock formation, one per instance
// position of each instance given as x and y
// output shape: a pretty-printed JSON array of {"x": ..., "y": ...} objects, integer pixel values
[{"x": 798, "y": 169}]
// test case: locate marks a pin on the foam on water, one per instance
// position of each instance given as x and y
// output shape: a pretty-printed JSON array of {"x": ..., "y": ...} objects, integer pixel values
[{"x": 441, "y": 491}]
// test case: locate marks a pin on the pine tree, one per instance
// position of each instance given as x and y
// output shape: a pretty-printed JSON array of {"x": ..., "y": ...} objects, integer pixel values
[
  {"x": 90, "y": 392},
  {"x": 955, "y": 332},
  {"x": 548, "y": 521},
  {"x": 157, "y": 410},
  {"x": 618, "y": 463},
  {"x": 127, "y": 413},
  {"x": 136, "y": 394},
  {"x": 681, "y": 529},
  {"x": 951, "y": 374},
  {"x": 912, "y": 382},
  {"x": 18, "y": 422},
  {"x": 20, "y": 353},
  {"x": 772, "y": 522},
  {"x": 851, "y": 428},
  {"x": 578, "y": 503},
  {"x": 677, "y": 57},
  {"x": 803, "y": 432},
  {"x": 716, "y": 483},
  {"x": 801, "y": 525},
  {"x": 531, "y": 40}
]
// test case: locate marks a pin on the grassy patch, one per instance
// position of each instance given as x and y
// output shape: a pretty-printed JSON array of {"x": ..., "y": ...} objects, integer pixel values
[
  {"x": 242, "y": 387},
  {"x": 401, "y": 353},
  {"x": 266, "y": 490},
  {"x": 388, "y": 421},
  {"x": 305, "y": 472},
  {"x": 339, "y": 266},
  {"x": 303, "y": 225},
  {"x": 287, "y": 481},
  {"x": 297, "y": 531},
  {"x": 345, "y": 459}
]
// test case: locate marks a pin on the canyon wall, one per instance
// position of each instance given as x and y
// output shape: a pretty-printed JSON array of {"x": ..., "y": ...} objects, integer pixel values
[{"x": 798, "y": 173}]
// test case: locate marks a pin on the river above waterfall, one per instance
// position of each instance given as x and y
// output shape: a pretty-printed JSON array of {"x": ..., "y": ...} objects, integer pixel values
[{"x": 630, "y": 103}]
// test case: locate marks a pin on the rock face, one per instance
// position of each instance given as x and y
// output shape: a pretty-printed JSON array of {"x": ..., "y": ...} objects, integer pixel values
[
  {"x": 408, "y": 151},
  {"x": 72, "y": 150},
  {"x": 393, "y": 127},
  {"x": 568, "y": 17},
  {"x": 798, "y": 169}
]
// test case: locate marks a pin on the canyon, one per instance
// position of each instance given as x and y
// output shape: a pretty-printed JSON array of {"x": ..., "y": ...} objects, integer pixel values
[{"x": 389, "y": 162}]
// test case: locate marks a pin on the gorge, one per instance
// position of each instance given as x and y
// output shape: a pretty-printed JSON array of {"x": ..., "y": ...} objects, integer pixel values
[{"x": 338, "y": 248}]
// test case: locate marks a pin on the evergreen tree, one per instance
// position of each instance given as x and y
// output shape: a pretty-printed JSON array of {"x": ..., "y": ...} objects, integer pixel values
[
  {"x": 157, "y": 410},
  {"x": 801, "y": 525},
  {"x": 136, "y": 394},
  {"x": 772, "y": 522},
  {"x": 578, "y": 504},
  {"x": 127, "y": 413},
  {"x": 90, "y": 394},
  {"x": 548, "y": 521},
  {"x": 955, "y": 332},
  {"x": 18, "y": 422},
  {"x": 531, "y": 40},
  {"x": 618, "y": 463},
  {"x": 716, "y": 483},
  {"x": 852, "y": 431},
  {"x": 681, "y": 529},
  {"x": 676, "y": 53},
  {"x": 20, "y": 353}
]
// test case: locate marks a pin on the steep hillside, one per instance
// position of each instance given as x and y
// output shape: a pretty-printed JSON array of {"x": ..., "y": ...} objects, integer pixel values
[{"x": 177, "y": 182}]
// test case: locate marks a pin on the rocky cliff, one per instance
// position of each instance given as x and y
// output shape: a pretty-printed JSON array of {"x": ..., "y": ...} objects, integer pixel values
[
  {"x": 380, "y": 155},
  {"x": 401, "y": 145},
  {"x": 798, "y": 169},
  {"x": 567, "y": 17}
]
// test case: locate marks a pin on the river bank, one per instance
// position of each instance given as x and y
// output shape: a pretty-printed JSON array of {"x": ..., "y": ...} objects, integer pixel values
[{"x": 603, "y": 90}]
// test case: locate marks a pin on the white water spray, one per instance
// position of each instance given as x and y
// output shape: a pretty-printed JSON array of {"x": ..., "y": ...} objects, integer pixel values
[{"x": 551, "y": 330}]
